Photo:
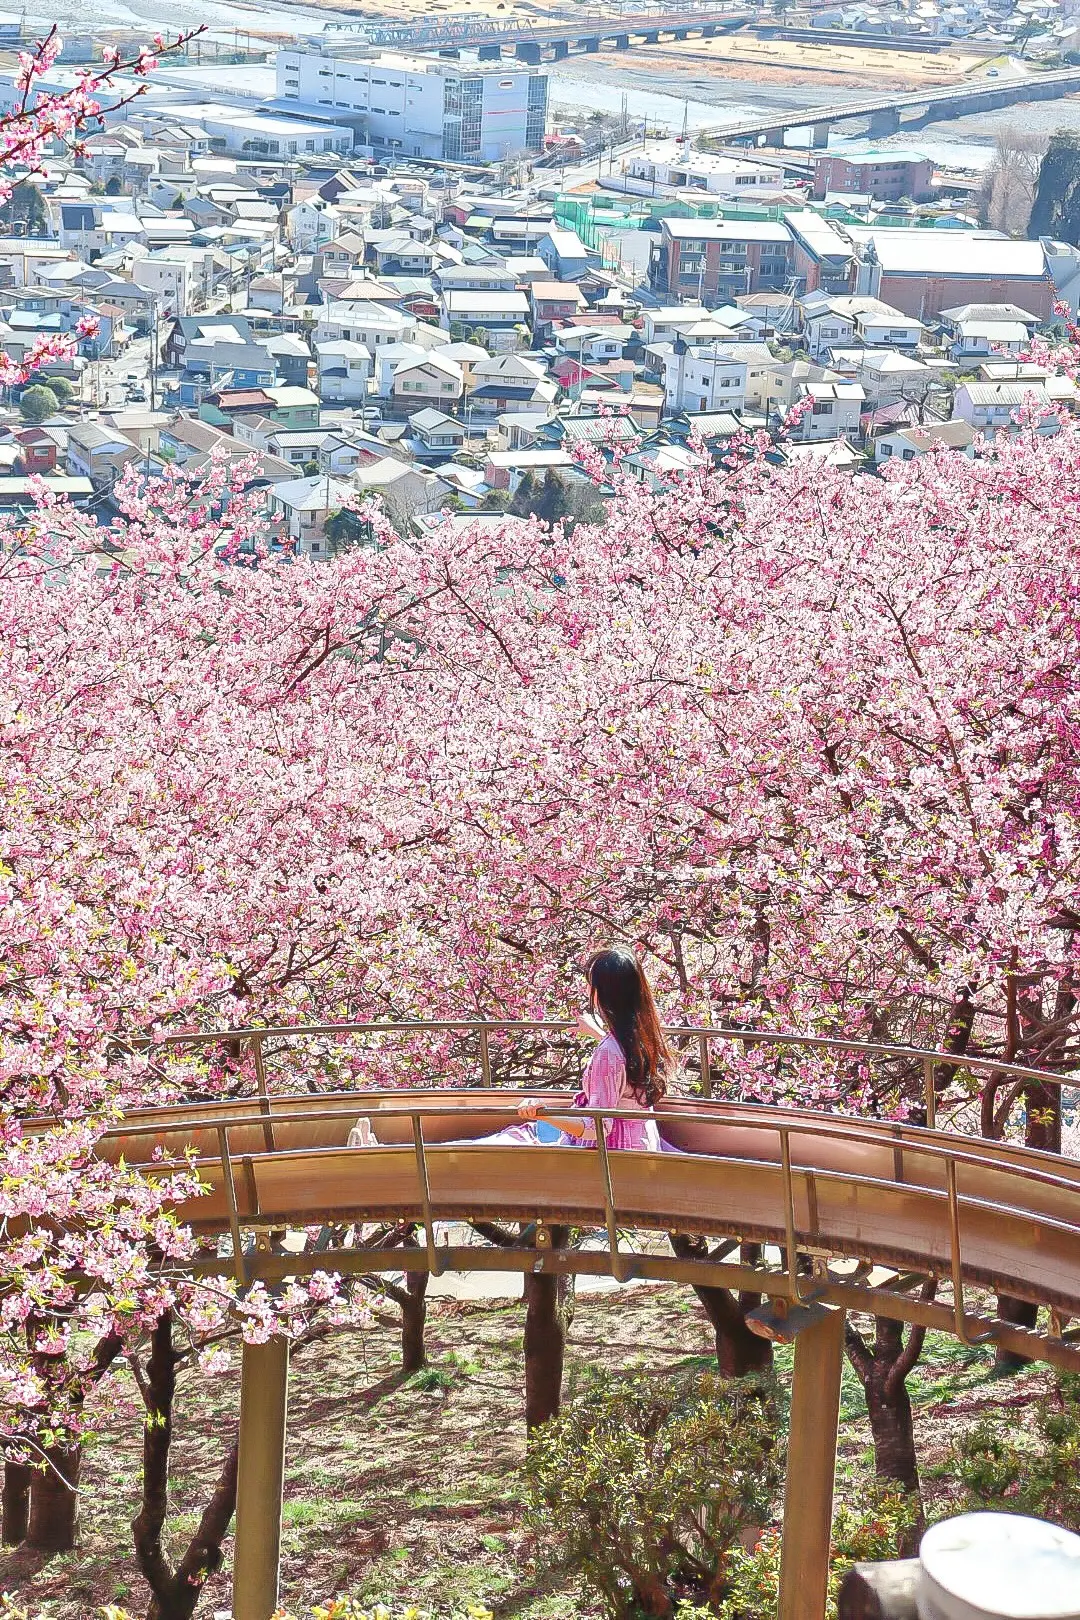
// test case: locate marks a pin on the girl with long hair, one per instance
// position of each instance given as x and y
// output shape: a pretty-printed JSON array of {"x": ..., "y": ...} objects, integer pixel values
[{"x": 629, "y": 1069}]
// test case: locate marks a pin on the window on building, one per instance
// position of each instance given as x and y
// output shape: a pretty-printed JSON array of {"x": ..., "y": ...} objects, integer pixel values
[{"x": 822, "y": 407}]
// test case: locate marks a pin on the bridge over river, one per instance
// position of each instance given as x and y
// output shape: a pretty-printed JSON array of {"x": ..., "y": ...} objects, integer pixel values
[
  {"x": 885, "y": 114},
  {"x": 530, "y": 41}
]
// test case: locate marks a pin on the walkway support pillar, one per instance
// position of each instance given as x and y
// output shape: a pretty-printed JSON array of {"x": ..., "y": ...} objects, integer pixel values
[
  {"x": 264, "y": 1394},
  {"x": 811, "y": 1469}
]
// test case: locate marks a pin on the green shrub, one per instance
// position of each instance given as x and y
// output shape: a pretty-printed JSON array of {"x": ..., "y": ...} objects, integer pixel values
[
  {"x": 644, "y": 1485},
  {"x": 878, "y": 1528},
  {"x": 1000, "y": 1466},
  {"x": 38, "y": 403}
]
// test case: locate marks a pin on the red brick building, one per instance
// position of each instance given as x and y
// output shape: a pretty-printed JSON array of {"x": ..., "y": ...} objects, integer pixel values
[
  {"x": 715, "y": 260},
  {"x": 886, "y": 176},
  {"x": 925, "y": 271}
]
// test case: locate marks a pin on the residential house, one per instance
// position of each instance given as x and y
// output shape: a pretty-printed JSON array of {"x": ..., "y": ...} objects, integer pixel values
[
  {"x": 496, "y": 314},
  {"x": 564, "y": 253},
  {"x": 364, "y": 322},
  {"x": 36, "y": 452},
  {"x": 403, "y": 488},
  {"x": 976, "y": 331},
  {"x": 887, "y": 376},
  {"x": 907, "y": 443},
  {"x": 294, "y": 407},
  {"x": 834, "y": 412},
  {"x": 702, "y": 377},
  {"x": 507, "y": 382},
  {"x": 997, "y": 406},
  {"x": 831, "y": 322},
  {"x": 191, "y": 328},
  {"x": 98, "y": 453},
  {"x": 342, "y": 453},
  {"x": 344, "y": 372},
  {"x": 555, "y": 301},
  {"x": 435, "y": 434},
  {"x": 311, "y": 224},
  {"x": 593, "y": 343},
  {"x": 504, "y": 469},
  {"x": 302, "y": 506},
  {"x": 186, "y": 437},
  {"x": 432, "y": 380}
]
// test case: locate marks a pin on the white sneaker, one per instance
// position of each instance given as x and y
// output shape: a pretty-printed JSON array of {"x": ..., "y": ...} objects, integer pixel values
[{"x": 362, "y": 1135}]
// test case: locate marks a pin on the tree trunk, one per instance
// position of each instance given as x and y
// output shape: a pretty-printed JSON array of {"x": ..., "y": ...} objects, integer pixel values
[
  {"x": 174, "y": 1593},
  {"x": 16, "y": 1509},
  {"x": 413, "y": 1320},
  {"x": 54, "y": 1502},
  {"x": 738, "y": 1349},
  {"x": 893, "y": 1432},
  {"x": 883, "y": 1371},
  {"x": 204, "y": 1556},
  {"x": 549, "y": 1311},
  {"x": 413, "y": 1305},
  {"x": 1042, "y": 1129}
]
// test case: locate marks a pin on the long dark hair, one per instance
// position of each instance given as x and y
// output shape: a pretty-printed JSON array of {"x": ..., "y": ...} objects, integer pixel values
[{"x": 624, "y": 998}]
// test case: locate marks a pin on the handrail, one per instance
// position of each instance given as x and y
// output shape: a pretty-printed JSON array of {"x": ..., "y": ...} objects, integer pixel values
[
  {"x": 916, "y": 1140},
  {"x": 930, "y": 1058},
  {"x": 836, "y": 1128}
]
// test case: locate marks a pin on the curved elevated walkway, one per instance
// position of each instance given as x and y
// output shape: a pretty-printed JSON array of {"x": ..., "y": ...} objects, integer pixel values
[{"x": 854, "y": 1214}]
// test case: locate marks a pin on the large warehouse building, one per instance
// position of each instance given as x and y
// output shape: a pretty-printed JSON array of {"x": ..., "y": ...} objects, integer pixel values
[{"x": 415, "y": 106}]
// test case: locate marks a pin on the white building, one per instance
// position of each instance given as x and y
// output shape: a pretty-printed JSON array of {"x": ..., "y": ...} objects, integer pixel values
[
  {"x": 998, "y": 406},
  {"x": 311, "y": 224},
  {"x": 908, "y": 443},
  {"x": 412, "y": 106},
  {"x": 834, "y": 412},
  {"x": 834, "y": 322},
  {"x": 663, "y": 167},
  {"x": 172, "y": 282},
  {"x": 701, "y": 377},
  {"x": 344, "y": 372}
]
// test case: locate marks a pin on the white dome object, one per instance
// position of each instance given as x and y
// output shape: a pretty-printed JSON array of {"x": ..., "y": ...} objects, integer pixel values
[{"x": 999, "y": 1566}]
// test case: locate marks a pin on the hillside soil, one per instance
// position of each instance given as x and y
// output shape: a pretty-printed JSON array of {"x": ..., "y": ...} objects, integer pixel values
[{"x": 410, "y": 1490}]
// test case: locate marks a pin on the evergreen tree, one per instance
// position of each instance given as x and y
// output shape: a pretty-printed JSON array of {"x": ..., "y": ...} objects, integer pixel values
[
  {"x": 24, "y": 207},
  {"x": 37, "y": 404}
]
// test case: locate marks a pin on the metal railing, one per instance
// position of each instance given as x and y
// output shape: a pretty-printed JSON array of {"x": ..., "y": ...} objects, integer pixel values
[
  {"x": 905, "y": 1142},
  {"x": 930, "y": 1059}
]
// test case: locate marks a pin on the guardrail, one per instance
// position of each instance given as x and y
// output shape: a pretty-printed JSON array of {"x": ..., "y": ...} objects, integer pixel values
[{"x": 930, "y": 1059}]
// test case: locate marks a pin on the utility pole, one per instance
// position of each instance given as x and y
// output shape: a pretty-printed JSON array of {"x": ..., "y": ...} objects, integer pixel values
[{"x": 153, "y": 350}]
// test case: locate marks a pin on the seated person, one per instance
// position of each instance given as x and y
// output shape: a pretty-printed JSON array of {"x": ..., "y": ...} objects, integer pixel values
[{"x": 629, "y": 1069}]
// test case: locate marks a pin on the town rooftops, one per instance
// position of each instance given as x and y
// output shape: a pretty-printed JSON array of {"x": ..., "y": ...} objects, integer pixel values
[
  {"x": 989, "y": 312},
  {"x": 952, "y": 253},
  {"x": 954, "y": 435},
  {"x": 467, "y": 302},
  {"x": 727, "y": 230}
]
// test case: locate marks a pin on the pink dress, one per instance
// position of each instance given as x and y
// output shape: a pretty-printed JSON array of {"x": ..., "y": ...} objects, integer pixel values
[{"x": 603, "y": 1085}]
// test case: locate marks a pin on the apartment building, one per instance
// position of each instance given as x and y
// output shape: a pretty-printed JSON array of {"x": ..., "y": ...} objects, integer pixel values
[
  {"x": 887, "y": 176},
  {"x": 413, "y": 106},
  {"x": 712, "y": 261}
]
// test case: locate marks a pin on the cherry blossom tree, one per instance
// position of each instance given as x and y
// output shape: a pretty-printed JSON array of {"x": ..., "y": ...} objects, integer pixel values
[{"x": 807, "y": 741}]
